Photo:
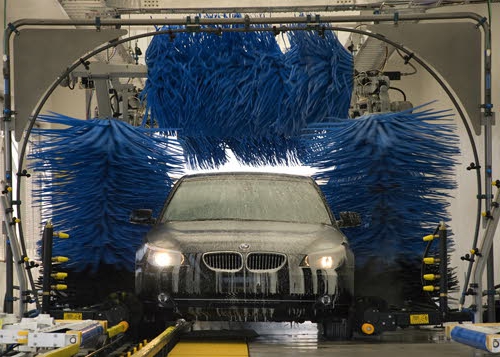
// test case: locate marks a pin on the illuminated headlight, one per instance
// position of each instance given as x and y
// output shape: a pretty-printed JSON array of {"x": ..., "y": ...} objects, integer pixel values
[
  {"x": 326, "y": 260},
  {"x": 164, "y": 258}
]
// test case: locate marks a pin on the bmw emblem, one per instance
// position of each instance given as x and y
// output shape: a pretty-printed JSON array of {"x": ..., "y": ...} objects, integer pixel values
[{"x": 244, "y": 246}]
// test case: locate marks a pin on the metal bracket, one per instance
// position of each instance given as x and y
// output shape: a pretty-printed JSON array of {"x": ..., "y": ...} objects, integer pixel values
[
  {"x": 98, "y": 23},
  {"x": 396, "y": 18},
  {"x": 490, "y": 117},
  {"x": 13, "y": 28},
  {"x": 313, "y": 24},
  {"x": 483, "y": 20},
  {"x": 193, "y": 27}
]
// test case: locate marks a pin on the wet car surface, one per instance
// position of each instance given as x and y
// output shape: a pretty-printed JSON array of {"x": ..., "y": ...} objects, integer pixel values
[{"x": 247, "y": 247}]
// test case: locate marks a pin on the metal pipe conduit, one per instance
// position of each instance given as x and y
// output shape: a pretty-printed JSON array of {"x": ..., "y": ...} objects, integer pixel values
[
  {"x": 480, "y": 266},
  {"x": 248, "y": 20}
]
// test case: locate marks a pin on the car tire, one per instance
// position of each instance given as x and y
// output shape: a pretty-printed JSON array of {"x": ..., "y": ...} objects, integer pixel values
[{"x": 337, "y": 330}]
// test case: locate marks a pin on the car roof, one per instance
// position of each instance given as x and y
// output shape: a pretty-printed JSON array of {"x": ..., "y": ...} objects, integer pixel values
[{"x": 236, "y": 175}]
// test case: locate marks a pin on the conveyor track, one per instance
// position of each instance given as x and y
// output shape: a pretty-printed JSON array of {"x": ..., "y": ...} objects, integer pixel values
[{"x": 167, "y": 344}]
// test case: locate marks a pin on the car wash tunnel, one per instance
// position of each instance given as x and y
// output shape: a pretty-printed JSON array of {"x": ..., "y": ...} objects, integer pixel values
[{"x": 250, "y": 179}]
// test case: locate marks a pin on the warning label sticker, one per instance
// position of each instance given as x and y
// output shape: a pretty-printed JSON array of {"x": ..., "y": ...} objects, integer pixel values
[
  {"x": 73, "y": 315},
  {"x": 419, "y": 319}
]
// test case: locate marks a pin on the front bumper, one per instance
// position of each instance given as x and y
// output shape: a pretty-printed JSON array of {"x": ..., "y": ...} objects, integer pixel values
[{"x": 291, "y": 293}]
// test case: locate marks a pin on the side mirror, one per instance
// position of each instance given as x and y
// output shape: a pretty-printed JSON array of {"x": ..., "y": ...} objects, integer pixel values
[
  {"x": 142, "y": 216},
  {"x": 349, "y": 219}
]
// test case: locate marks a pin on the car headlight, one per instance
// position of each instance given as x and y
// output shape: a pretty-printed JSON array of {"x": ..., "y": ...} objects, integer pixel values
[
  {"x": 164, "y": 257},
  {"x": 324, "y": 260}
]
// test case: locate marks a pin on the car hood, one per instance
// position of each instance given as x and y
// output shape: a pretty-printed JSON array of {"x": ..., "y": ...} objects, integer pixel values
[{"x": 203, "y": 236}]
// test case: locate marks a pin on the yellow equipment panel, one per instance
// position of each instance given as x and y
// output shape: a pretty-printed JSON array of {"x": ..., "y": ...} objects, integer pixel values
[{"x": 222, "y": 349}]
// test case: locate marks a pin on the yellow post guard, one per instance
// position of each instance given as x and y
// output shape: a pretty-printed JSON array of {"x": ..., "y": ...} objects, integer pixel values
[
  {"x": 429, "y": 237},
  {"x": 431, "y": 277},
  {"x": 60, "y": 259},
  {"x": 117, "y": 329},
  {"x": 430, "y": 260},
  {"x": 59, "y": 276},
  {"x": 59, "y": 287}
]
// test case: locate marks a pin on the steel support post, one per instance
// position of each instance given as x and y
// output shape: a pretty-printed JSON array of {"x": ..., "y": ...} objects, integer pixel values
[
  {"x": 443, "y": 271},
  {"x": 16, "y": 254},
  {"x": 490, "y": 286},
  {"x": 48, "y": 236},
  {"x": 8, "y": 303},
  {"x": 481, "y": 260}
]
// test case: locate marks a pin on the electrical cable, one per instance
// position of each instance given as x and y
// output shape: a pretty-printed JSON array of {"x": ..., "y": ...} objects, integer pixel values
[
  {"x": 8, "y": 350},
  {"x": 219, "y": 30},
  {"x": 488, "y": 2},
  {"x": 400, "y": 91},
  {"x": 407, "y": 62},
  {"x": 108, "y": 57},
  {"x": 71, "y": 87},
  {"x": 386, "y": 59},
  {"x": 87, "y": 111},
  {"x": 115, "y": 108},
  {"x": 4, "y": 13}
]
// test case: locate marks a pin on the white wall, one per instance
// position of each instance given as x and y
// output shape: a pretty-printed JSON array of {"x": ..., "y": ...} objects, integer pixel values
[{"x": 420, "y": 89}]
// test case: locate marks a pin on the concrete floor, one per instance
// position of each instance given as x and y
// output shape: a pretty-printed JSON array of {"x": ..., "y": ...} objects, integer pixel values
[{"x": 280, "y": 339}]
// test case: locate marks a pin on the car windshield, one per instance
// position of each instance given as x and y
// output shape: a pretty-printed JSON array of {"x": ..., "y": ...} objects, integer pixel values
[{"x": 247, "y": 198}]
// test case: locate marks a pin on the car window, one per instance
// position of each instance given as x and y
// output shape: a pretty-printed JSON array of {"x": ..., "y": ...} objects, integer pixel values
[{"x": 243, "y": 198}]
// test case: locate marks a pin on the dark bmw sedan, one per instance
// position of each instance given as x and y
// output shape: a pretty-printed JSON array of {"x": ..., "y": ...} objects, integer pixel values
[{"x": 247, "y": 247}]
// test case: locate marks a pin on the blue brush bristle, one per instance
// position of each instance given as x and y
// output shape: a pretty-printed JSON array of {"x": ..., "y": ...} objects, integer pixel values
[
  {"x": 395, "y": 169},
  {"x": 321, "y": 78},
  {"x": 92, "y": 175},
  {"x": 239, "y": 90}
]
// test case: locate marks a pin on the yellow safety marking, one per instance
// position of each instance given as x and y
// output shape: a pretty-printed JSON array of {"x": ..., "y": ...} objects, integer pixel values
[
  {"x": 23, "y": 339},
  {"x": 429, "y": 237},
  {"x": 59, "y": 287},
  {"x": 154, "y": 347},
  {"x": 121, "y": 327},
  {"x": 73, "y": 316},
  {"x": 419, "y": 319},
  {"x": 430, "y": 277},
  {"x": 60, "y": 259},
  {"x": 187, "y": 349},
  {"x": 59, "y": 276}
]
